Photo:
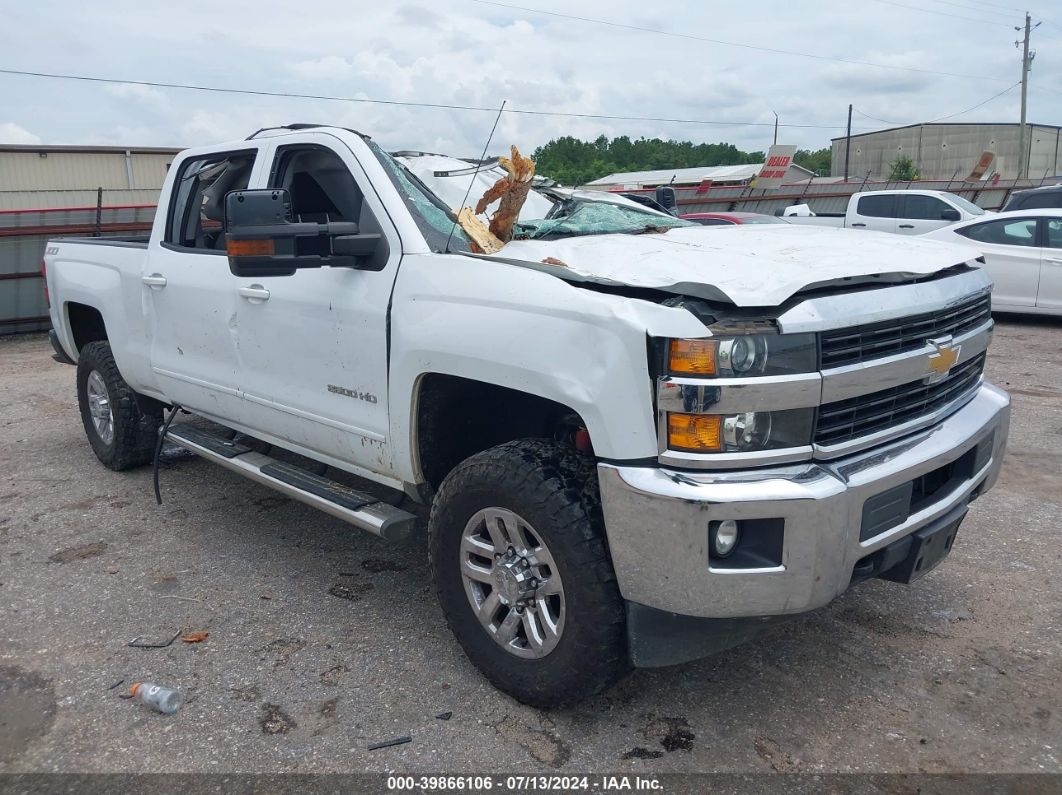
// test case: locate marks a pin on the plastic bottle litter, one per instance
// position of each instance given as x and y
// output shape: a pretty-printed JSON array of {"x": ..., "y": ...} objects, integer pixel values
[{"x": 165, "y": 699}]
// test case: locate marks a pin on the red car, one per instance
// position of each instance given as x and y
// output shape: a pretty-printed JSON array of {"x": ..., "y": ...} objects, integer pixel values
[{"x": 729, "y": 219}]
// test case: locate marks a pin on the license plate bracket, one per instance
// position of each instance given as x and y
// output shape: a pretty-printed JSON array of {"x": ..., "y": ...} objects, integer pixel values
[{"x": 929, "y": 546}]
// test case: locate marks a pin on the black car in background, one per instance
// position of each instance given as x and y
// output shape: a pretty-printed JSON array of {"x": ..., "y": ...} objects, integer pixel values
[{"x": 1035, "y": 198}]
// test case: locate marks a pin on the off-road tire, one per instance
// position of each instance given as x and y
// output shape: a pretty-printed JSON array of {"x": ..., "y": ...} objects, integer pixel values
[
  {"x": 554, "y": 488},
  {"x": 135, "y": 433}
]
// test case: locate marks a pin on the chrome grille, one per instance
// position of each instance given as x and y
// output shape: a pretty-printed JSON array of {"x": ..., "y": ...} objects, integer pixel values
[
  {"x": 857, "y": 344},
  {"x": 849, "y": 419}
]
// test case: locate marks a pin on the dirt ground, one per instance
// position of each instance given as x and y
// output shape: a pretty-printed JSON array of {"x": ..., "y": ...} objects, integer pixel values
[{"x": 324, "y": 639}]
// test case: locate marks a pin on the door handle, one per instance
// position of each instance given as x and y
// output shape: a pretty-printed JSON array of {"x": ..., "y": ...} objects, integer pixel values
[
  {"x": 906, "y": 226},
  {"x": 154, "y": 280},
  {"x": 859, "y": 225},
  {"x": 254, "y": 292},
  {"x": 1054, "y": 259}
]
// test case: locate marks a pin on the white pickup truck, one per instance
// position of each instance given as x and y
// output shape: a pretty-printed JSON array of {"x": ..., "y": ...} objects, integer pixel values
[
  {"x": 906, "y": 212},
  {"x": 641, "y": 440}
]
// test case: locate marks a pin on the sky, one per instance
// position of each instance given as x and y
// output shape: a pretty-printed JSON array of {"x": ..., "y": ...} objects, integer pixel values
[{"x": 472, "y": 53}]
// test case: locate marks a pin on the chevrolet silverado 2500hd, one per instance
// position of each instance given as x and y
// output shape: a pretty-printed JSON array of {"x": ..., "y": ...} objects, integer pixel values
[{"x": 641, "y": 440}]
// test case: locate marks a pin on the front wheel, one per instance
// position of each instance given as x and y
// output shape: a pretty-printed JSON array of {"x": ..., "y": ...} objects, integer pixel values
[
  {"x": 121, "y": 435},
  {"x": 523, "y": 573}
]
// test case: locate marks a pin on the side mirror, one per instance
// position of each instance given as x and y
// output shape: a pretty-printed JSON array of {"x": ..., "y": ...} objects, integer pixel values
[
  {"x": 263, "y": 239},
  {"x": 665, "y": 197},
  {"x": 950, "y": 215}
]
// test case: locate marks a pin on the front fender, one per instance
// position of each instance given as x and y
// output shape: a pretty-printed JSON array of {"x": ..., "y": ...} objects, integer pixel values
[{"x": 529, "y": 331}]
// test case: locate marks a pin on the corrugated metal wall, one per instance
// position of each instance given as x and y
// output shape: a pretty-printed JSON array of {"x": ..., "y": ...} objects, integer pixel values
[
  {"x": 48, "y": 193},
  {"x": 944, "y": 150},
  {"x": 31, "y": 171},
  {"x": 23, "y": 235},
  {"x": 30, "y": 179}
]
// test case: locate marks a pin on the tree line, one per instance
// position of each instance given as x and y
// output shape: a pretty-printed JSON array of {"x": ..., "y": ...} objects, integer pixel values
[{"x": 571, "y": 161}]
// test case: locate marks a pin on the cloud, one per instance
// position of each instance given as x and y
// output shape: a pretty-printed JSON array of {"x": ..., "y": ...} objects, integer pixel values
[
  {"x": 11, "y": 133},
  {"x": 147, "y": 96},
  {"x": 478, "y": 55},
  {"x": 328, "y": 67}
]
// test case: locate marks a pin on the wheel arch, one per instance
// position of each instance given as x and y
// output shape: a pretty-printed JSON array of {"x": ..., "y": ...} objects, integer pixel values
[
  {"x": 453, "y": 417},
  {"x": 86, "y": 324}
]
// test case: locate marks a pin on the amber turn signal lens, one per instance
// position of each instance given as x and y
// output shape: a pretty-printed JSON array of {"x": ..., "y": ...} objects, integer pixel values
[
  {"x": 250, "y": 248},
  {"x": 695, "y": 433},
  {"x": 692, "y": 357}
]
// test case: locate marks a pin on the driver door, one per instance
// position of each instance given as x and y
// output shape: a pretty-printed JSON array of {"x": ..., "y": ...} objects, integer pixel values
[{"x": 313, "y": 345}]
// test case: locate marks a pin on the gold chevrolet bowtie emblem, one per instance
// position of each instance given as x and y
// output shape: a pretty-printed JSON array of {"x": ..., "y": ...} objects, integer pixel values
[{"x": 942, "y": 360}]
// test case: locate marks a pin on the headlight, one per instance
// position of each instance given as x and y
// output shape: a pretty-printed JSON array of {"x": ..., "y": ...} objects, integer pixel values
[
  {"x": 743, "y": 355},
  {"x": 739, "y": 433}
]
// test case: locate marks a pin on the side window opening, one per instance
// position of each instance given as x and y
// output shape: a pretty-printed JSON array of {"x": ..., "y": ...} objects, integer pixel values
[
  {"x": 877, "y": 206},
  {"x": 923, "y": 208},
  {"x": 1017, "y": 232},
  {"x": 1054, "y": 233},
  {"x": 198, "y": 210},
  {"x": 323, "y": 190}
]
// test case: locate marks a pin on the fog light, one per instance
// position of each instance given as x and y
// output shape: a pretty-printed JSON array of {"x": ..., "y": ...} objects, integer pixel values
[{"x": 723, "y": 536}]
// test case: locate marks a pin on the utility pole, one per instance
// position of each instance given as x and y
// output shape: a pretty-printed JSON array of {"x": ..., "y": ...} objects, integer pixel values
[
  {"x": 775, "y": 127},
  {"x": 1026, "y": 64},
  {"x": 847, "y": 143}
]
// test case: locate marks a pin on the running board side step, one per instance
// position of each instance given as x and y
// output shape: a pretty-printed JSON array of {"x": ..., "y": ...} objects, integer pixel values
[{"x": 357, "y": 508}]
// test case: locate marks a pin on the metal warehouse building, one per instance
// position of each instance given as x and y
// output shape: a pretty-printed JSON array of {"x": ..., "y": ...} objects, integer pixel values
[
  {"x": 33, "y": 177},
  {"x": 944, "y": 151},
  {"x": 48, "y": 191}
]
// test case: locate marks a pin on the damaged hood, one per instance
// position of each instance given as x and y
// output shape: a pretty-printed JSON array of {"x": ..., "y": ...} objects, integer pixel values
[{"x": 753, "y": 265}]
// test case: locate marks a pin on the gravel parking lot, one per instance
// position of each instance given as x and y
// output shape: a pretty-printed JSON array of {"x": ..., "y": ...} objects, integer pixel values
[{"x": 324, "y": 639}]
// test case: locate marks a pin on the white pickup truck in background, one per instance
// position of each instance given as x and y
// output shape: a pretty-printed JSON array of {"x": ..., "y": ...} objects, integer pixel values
[
  {"x": 641, "y": 440},
  {"x": 906, "y": 212}
]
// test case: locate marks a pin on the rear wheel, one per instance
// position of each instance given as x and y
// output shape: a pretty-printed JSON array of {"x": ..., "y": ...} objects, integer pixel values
[
  {"x": 523, "y": 573},
  {"x": 120, "y": 434}
]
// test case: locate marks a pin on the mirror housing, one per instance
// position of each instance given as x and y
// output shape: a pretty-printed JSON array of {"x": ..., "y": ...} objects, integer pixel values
[
  {"x": 950, "y": 214},
  {"x": 263, "y": 239},
  {"x": 666, "y": 198}
]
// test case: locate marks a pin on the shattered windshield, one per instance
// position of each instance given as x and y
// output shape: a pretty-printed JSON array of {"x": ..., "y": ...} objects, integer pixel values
[
  {"x": 437, "y": 185},
  {"x": 434, "y": 219},
  {"x": 573, "y": 217}
]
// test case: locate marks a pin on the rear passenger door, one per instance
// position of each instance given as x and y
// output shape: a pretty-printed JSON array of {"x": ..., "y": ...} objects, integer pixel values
[
  {"x": 876, "y": 211},
  {"x": 920, "y": 214},
  {"x": 188, "y": 290},
  {"x": 313, "y": 345}
]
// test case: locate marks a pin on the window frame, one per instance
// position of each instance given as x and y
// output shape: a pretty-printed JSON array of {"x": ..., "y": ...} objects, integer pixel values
[
  {"x": 924, "y": 197},
  {"x": 283, "y": 150},
  {"x": 254, "y": 152},
  {"x": 890, "y": 198},
  {"x": 1045, "y": 237},
  {"x": 1038, "y": 231}
]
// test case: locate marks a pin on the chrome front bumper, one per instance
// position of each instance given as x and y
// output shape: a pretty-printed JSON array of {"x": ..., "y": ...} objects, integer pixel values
[{"x": 657, "y": 519}]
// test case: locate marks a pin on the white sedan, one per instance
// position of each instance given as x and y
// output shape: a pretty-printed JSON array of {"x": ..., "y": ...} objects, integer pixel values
[{"x": 1023, "y": 255}]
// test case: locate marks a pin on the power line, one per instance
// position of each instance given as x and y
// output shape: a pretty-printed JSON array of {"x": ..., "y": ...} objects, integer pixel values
[
  {"x": 996, "y": 5},
  {"x": 941, "y": 118},
  {"x": 1007, "y": 14},
  {"x": 404, "y": 103},
  {"x": 944, "y": 13},
  {"x": 741, "y": 45}
]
